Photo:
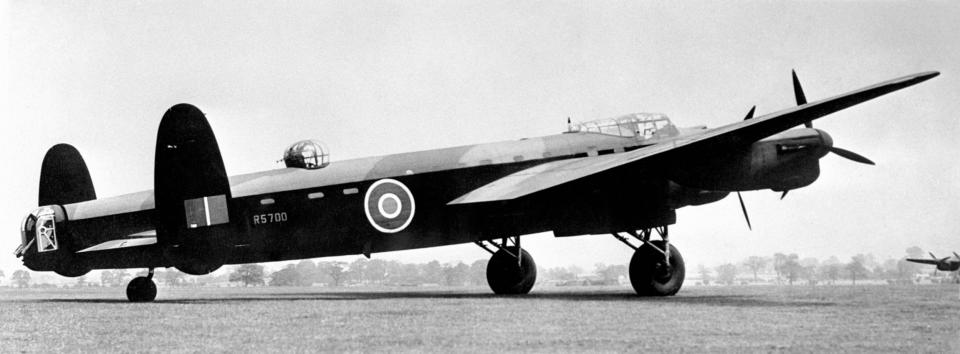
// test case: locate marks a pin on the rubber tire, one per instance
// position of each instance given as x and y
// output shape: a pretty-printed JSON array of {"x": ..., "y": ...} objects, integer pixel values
[
  {"x": 141, "y": 289},
  {"x": 506, "y": 277},
  {"x": 645, "y": 265}
]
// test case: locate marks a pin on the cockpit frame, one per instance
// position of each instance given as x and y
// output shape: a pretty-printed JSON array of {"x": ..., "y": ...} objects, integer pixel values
[{"x": 640, "y": 126}]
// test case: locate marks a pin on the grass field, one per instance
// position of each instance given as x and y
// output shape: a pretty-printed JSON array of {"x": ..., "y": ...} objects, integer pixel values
[{"x": 870, "y": 318}]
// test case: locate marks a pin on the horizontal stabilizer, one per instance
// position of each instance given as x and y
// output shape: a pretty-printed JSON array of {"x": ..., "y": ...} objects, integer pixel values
[{"x": 136, "y": 240}]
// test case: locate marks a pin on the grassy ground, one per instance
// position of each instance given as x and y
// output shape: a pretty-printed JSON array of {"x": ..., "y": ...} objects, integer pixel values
[{"x": 871, "y": 318}]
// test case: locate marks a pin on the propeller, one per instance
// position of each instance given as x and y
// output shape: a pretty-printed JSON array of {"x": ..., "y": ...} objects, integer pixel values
[
  {"x": 750, "y": 114},
  {"x": 938, "y": 259},
  {"x": 744, "y": 208},
  {"x": 850, "y": 155},
  {"x": 801, "y": 98}
]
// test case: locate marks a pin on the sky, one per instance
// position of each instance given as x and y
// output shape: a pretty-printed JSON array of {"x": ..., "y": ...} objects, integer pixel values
[{"x": 382, "y": 77}]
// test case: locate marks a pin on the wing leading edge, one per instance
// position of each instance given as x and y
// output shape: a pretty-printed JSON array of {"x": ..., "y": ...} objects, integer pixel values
[{"x": 551, "y": 174}]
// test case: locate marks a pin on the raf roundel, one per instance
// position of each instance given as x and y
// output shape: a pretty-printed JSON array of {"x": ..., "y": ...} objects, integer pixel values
[{"x": 389, "y": 205}]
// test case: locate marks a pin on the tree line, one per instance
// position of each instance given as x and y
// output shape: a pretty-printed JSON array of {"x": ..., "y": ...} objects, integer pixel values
[
  {"x": 791, "y": 268},
  {"x": 780, "y": 268}
]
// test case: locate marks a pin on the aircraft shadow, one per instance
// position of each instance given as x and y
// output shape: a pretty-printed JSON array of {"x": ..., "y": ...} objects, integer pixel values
[{"x": 734, "y": 300}]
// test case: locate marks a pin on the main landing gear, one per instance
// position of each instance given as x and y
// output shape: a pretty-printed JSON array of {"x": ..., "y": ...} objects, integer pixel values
[
  {"x": 142, "y": 289},
  {"x": 511, "y": 270},
  {"x": 656, "y": 268}
]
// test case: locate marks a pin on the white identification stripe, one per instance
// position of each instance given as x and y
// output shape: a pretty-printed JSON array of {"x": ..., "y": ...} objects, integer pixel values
[{"x": 206, "y": 210}]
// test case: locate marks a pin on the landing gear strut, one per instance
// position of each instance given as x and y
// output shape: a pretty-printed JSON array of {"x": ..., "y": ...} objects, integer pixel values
[
  {"x": 656, "y": 268},
  {"x": 511, "y": 270},
  {"x": 142, "y": 289}
]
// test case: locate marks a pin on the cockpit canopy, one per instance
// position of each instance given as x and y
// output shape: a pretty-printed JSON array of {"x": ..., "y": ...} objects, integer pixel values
[
  {"x": 641, "y": 126},
  {"x": 308, "y": 154}
]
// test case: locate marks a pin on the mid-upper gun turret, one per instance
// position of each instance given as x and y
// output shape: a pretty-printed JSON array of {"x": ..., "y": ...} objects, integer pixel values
[{"x": 307, "y": 154}]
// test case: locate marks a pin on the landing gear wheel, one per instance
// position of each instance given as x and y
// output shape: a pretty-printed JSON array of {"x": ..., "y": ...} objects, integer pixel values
[
  {"x": 651, "y": 276},
  {"x": 141, "y": 289},
  {"x": 506, "y": 276}
]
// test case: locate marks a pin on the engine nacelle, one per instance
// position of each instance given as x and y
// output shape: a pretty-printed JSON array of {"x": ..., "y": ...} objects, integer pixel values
[
  {"x": 679, "y": 196},
  {"x": 785, "y": 161}
]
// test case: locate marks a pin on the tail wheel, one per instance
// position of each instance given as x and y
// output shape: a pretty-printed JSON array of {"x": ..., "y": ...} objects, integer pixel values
[
  {"x": 651, "y": 275},
  {"x": 141, "y": 289},
  {"x": 507, "y": 276}
]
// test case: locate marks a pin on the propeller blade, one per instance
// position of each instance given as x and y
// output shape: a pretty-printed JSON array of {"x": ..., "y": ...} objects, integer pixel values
[
  {"x": 850, "y": 155},
  {"x": 750, "y": 114},
  {"x": 932, "y": 256},
  {"x": 798, "y": 93},
  {"x": 744, "y": 207},
  {"x": 784, "y": 194}
]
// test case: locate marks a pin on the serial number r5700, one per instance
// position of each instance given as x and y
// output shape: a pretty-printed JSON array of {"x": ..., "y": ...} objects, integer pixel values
[{"x": 260, "y": 219}]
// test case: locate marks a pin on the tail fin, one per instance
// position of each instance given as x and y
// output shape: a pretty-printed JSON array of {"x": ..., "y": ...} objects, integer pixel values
[
  {"x": 192, "y": 192},
  {"x": 64, "y": 178}
]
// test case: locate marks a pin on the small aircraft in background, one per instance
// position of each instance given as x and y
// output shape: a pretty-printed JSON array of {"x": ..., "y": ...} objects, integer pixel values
[
  {"x": 945, "y": 264},
  {"x": 623, "y": 176}
]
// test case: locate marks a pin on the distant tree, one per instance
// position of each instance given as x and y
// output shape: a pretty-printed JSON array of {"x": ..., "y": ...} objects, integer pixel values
[
  {"x": 755, "y": 264},
  {"x": 2, "y": 275},
  {"x": 309, "y": 272},
  {"x": 779, "y": 259},
  {"x": 376, "y": 271},
  {"x": 792, "y": 268},
  {"x": 358, "y": 270},
  {"x": 81, "y": 281},
  {"x": 248, "y": 274},
  {"x": 787, "y": 266},
  {"x": 727, "y": 274},
  {"x": 704, "y": 274},
  {"x": 809, "y": 262},
  {"x": 288, "y": 276},
  {"x": 611, "y": 273},
  {"x": 432, "y": 273},
  {"x": 557, "y": 273},
  {"x": 830, "y": 271},
  {"x": 809, "y": 273},
  {"x": 856, "y": 268},
  {"x": 455, "y": 275},
  {"x": 21, "y": 278},
  {"x": 114, "y": 277},
  {"x": 172, "y": 277},
  {"x": 106, "y": 278},
  {"x": 478, "y": 272},
  {"x": 336, "y": 271}
]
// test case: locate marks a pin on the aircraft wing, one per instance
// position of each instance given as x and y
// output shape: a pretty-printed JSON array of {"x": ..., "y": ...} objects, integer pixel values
[
  {"x": 924, "y": 261},
  {"x": 743, "y": 133}
]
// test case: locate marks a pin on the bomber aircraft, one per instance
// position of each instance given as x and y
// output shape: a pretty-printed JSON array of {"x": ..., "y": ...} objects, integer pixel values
[
  {"x": 624, "y": 176},
  {"x": 945, "y": 264}
]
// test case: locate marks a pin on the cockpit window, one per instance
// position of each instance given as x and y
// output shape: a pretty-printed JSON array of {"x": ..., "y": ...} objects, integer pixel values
[{"x": 641, "y": 126}]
